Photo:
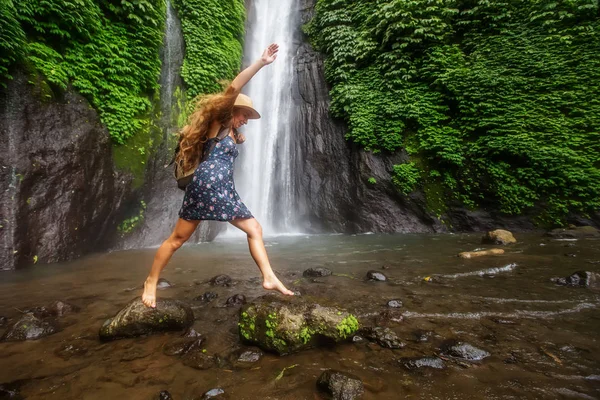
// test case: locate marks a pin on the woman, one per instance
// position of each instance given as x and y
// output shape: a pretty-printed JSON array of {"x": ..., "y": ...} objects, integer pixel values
[{"x": 211, "y": 194}]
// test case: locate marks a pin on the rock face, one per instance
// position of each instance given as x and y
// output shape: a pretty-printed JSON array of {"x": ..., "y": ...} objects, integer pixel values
[
  {"x": 340, "y": 386},
  {"x": 581, "y": 279},
  {"x": 287, "y": 325},
  {"x": 58, "y": 187},
  {"x": 499, "y": 236},
  {"x": 136, "y": 319},
  {"x": 29, "y": 327}
]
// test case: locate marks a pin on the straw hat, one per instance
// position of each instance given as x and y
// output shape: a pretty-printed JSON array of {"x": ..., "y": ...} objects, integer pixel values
[{"x": 244, "y": 101}]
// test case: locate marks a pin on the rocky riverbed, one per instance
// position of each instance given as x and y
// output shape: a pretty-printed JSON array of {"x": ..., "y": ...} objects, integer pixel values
[{"x": 431, "y": 325}]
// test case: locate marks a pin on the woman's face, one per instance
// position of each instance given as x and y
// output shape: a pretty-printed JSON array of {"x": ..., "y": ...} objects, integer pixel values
[{"x": 240, "y": 117}]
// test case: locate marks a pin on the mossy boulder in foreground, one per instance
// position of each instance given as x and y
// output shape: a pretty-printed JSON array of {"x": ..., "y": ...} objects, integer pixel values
[
  {"x": 289, "y": 324},
  {"x": 135, "y": 319}
]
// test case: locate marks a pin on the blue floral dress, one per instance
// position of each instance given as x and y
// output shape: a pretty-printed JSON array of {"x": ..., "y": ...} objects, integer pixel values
[{"x": 211, "y": 194}]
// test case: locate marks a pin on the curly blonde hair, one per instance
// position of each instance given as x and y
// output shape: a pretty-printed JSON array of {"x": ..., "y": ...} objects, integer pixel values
[{"x": 209, "y": 108}]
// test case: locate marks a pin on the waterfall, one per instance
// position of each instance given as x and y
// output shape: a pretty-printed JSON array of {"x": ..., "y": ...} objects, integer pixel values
[{"x": 263, "y": 173}]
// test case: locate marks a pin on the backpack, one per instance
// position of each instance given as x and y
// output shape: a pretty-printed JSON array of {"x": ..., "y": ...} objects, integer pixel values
[{"x": 183, "y": 177}]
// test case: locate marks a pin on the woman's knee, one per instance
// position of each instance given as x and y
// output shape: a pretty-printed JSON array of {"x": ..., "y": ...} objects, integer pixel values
[
  {"x": 254, "y": 230},
  {"x": 176, "y": 241}
]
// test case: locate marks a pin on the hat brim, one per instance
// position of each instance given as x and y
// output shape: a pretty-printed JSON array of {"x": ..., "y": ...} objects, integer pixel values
[{"x": 253, "y": 113}]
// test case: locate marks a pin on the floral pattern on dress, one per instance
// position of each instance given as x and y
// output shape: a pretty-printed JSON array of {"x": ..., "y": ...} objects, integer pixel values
[{"x": 211, "y": 194}]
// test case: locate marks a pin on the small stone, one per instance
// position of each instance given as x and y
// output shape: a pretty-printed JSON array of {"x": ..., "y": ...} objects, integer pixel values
[
  {"x": 68, "y": 350},
  {"x": 164, "y": 395},
  {"x": 464, "y": 351},
  {"x": 183, "y": 346},
  {"x": 3, "y": 320},
  {"x": 55, "y": 309},
  {"x": 580, "y": 279},
  {"x": 423, "y": 362},
  {"x": 250, "y": 356},
  {"x": 198, "y": 360},
  {"x": 236, "y": 300},
  {"x": 191, "y": 333},
  {"x": 213, "y": 393},
  {"x": 385, "y": 337},
  {"x": 163, "y": 284},
  {"x": 207, "y": 297},
  {"x": 29, "y": 328},
  {"x": 376, "y": 276},
  {"x": 499, "y": 236},
  {"x": 316, "y": 272},
  {"x": 340, "y": 385},
  {"x": 221, "y": 280},
  {"x": 422, "y": 336},
  {"x": 358, "y": 339},
  {"x": 395, "y": 303}
]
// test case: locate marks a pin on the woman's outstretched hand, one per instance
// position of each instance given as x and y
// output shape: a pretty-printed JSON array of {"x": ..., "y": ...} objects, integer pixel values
[{"x": 270, "y": 54}]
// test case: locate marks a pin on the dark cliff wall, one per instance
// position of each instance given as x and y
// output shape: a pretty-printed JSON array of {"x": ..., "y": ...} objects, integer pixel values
[{"x": 59, "y": 189}]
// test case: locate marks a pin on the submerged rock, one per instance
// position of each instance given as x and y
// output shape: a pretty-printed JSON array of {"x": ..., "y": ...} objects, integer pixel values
[
  {"x": 211, "y": 394},
  {"x": 207, "y": 297},
  {"x": 580, "y": 279},
  {"x": 316, "y": 272},
  {"x": 423, "y": 362},
  {"x": 135, "y": 319},
  {"x": 340, "y": 385},
  {"x": 221, "y": 280},
  {"x": 164, "y": 395},
  {"x": 394, "y": 303},
  {"x": 236, "y": 300},
  {"x": 163, "y": 284},
  {"x": 3, "y": 320},
  {"x": 499, "y": 236},
  {"x": 29, "y": 327},
  {"x": 250, "y": 356},
  {"x": 385, "y": 337},
  {"x": 289, "y": 324},
  {"x": 376, "y": 276},
  {"x": 199, "y": 360},
  {"x": 73, "y": 349},
  {"x": 55, "y": 309},
  {"x": 183, "y": 346},
  {"x": 574, "y": 232},
  {"x": 464, "y": 351}
]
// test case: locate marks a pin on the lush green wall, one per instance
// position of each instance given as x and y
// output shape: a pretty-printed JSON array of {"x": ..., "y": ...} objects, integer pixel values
[{"x": 497, "y": 102}]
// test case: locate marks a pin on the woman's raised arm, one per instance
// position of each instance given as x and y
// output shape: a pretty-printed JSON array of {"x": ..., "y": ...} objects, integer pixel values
[{"x": 268, "y": 56}]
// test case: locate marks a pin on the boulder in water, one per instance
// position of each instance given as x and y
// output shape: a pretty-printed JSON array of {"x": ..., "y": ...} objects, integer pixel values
[
  {"x": 135, "y": 319},
  {"x": 464, "y": 351},
  {"x": 499, "y": 236},
  {"x": 480, "y": 253},
  {"x": 423, "y": 362},
  {"x": 573, "y": 232},
  {"x": 29, "y": 327},
  {"x": 236, "y": 300},
  {"x": 221, "y": 280},
  {"x": 385, "y": 337},
  {"x": 376, "y": 276},
  {"x": 340, "y": 385},
  {"x": 316, "y": 272},
  {"x": 289, "y": 324},
  {"x": 580, "y": 279},
  {"x": 55, "y": 309}
]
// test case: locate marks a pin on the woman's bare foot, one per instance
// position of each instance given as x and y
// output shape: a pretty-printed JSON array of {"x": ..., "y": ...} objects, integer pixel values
[
  {"x": 149, "y": 295},
  {"x": 273, "y": 283}
]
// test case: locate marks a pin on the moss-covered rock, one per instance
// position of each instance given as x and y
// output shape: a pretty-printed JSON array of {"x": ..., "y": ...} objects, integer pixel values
[
  {"x": 287, "y": 325},
  {"x": 135, "y": 319}
]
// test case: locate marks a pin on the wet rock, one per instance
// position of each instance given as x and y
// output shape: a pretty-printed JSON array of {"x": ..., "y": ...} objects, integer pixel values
[
  {"x": 316, "y": 272},
  {"x": 423, "y": 362},
  {"x": 580, "y": 279},
  {"x": 422, "y": 336},
  {"x": 387, "y": 316},
  {"x": 289, "y": 324},
  {"x": 385, "y": 337},
  {"x": 474, "y": 254},
  {"x": 464, "y": 351},
  {"x": 207, "y": 297},
  {"x": 164, "y": 395},
  {"x": 183, "y": 346},
  {"x": 163, "y": 284},
  {"x": 357, "y": 339},
  {"x": 221, "y": 280},
  {"x": 376, "y": 276},
  {"x": 3, "y": 320},
  {"x": 250, "y": 356},
  {"x": 198, "y": 360},
  {"x": 135, "y": 354},
  {"x": 394, "y": 303},
  {"x": 340, "y": 385},
  {"x": 214, "y": 393},
  {"x": 236, "y": 300},
  {"x": 570, "y": 255},
  {"x": 29, "y": 327},
  {"x": 499, "y": 236},
  {"x": 191, "y": 333},
  {"x": 579, "y": 232},
  {"x": 55, "y": 309},
  {"x": 73, "y": 349},
  {"x": 135, "y": 319},
  {"x": 11, "y": 390}
]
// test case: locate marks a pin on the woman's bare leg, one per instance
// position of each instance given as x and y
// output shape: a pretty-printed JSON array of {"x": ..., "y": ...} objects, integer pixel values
[
  {"x": 257, "y": 249},
  {"x": 182, "y": 232}
]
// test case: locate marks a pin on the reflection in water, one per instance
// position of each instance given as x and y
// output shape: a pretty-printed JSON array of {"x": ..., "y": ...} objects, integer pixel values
[{"x": 543, "y": 338}]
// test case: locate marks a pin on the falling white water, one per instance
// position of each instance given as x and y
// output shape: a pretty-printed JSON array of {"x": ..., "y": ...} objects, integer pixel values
[{"x": 263, "y": 173}]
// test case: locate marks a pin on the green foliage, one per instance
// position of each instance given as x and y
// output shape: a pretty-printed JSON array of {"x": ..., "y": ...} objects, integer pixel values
[
  {"x": 348, "y": 326},
  {"x": 372, "y": 180},
  {"x": 213, "y": 32},
  {"x": 107, "y": 50},
  {"x": 498, "y": 99},
  {"x": 131, "y": 223},
  {"x": 406, "y": 177}
]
